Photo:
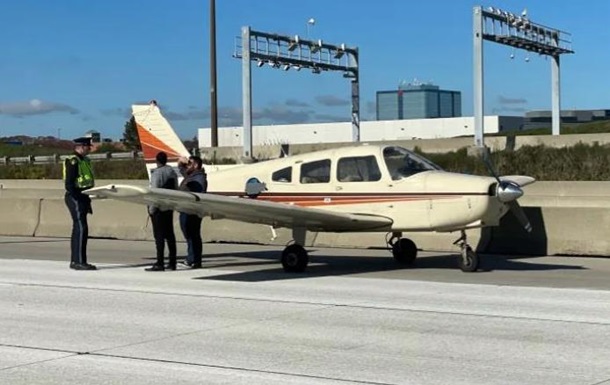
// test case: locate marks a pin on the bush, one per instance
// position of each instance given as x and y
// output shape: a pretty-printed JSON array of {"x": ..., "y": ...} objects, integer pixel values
[
  {"x": 123, "y": 169},
  {"x": 581, "y": 162}
]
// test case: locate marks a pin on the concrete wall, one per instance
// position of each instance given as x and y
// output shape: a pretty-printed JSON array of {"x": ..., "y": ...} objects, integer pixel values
[
  {"x": 376, "y": 130},
  {"x": 444, "y": 145},
  {"x": 567, "y": 217}
]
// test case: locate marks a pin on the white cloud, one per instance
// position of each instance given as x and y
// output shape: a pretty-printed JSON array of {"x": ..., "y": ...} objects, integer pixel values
[
  {"x": 332, "y": 101},
  {"x": 34, "y": 107}
]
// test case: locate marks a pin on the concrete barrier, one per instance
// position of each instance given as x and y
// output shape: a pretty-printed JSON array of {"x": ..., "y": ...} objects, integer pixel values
[
  {"x": 27, "y": 193},
  {"x": 225, "y": 230},
  {"x": 19, "y": 216},
  {"x": 567, "y": 218},
  {"x": 111, "y": 219},
  {"x": 122, "y": 220},
  {"x": 58, "y": 184},
  {"x": 54, "y": 219}
]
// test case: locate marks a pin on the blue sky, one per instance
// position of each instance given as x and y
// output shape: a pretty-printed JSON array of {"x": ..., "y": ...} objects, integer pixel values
[{"x": 69, "y": 66}]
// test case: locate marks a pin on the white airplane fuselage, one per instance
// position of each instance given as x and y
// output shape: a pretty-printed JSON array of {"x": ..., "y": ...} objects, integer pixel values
[{"x": 430, "y": 200}]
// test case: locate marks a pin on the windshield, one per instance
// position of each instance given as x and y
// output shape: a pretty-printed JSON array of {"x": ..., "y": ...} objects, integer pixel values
[{"x": 403, "y": 163}]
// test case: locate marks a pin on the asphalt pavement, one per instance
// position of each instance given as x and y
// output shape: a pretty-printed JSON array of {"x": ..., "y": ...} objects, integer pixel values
[
  {"x": 253, "y": 263},
  {"x": 354, "y": 317}
]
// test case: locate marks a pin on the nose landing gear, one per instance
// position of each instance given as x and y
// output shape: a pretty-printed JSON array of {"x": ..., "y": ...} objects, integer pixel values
[{"x": 468, "y": 261}]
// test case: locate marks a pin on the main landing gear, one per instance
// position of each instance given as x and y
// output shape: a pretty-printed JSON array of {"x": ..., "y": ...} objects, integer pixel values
[
  {"x": 468, "y": 261},
  {"x": 403, "y": 249},
  {"x": 294, "y": 256}
]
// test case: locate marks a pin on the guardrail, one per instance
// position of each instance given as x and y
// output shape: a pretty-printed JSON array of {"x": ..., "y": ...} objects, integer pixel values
[{"x": 56, "y": 158}]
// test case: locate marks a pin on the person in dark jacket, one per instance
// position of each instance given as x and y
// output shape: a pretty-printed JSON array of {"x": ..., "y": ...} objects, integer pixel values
[
  {"x": 162, "y": 219},
  {"x": 195, "y": 180},
  {"x": 78, "y": 176}
]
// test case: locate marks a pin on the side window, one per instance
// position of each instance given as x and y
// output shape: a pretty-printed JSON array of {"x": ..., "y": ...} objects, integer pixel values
[
  {"x": 358, "y": 169},
  {"x": 316, "y": 172},
  {"x": 283, "y": 175}
]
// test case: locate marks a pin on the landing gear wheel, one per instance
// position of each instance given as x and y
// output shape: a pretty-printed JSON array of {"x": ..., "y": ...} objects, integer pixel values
[
  {"x": 468, "y": 260},
  {"x": 294, "y": 259},
  {"x": 404, "y": 251}
]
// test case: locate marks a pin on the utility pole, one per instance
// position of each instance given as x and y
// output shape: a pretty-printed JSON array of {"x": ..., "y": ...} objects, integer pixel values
[{"x": 213, "y": 96}]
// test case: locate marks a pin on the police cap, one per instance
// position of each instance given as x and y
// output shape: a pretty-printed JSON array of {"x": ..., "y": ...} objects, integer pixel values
[{"x": 82, "y": 141}]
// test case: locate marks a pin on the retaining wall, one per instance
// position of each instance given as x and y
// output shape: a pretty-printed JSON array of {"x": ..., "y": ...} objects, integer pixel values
[{"x": 567, "y": 218}]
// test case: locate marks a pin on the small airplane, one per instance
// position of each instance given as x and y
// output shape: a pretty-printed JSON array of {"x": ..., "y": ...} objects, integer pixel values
[{"x": 362, "y": 188}]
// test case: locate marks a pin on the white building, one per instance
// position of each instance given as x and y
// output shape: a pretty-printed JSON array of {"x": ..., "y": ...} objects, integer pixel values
[{"x": 370, "y": 131}]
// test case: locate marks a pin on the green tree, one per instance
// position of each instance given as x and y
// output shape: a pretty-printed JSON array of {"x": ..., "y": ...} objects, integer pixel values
[{"x": 130, "y": 135}]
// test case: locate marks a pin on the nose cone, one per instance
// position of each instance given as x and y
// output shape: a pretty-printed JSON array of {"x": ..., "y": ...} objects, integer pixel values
[{"x": 508, "y": 192}]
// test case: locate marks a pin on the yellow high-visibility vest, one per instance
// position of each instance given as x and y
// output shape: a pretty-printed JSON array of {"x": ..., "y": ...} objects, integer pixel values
[{"x": 85, "y": 173}]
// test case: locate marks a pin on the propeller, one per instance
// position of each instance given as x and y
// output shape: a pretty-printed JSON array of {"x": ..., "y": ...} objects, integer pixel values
[{"x": 508, "y": 192}]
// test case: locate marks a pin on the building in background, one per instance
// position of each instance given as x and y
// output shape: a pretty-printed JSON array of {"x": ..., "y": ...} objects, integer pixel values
[
  {"x": 95, "y": 136},
  {"x": 542, "y": 119},
  {"x": 418, "y": 101}
]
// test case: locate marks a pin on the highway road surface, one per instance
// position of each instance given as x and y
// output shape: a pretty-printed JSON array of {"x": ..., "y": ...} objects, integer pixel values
[{"x": 353, "y": 318}]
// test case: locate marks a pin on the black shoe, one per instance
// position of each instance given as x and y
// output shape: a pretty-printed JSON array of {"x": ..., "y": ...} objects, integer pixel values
[
  {"x": 196, "y": 266},
  {"x": 170, "y": 266},
  {"x": 82, "y": 266},
  {"x": 155, "y": 267}
]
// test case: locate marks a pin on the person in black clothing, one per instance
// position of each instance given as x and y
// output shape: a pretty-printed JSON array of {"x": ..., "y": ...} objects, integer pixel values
[
  {"x": 162, "y": 219},
  {"x": 78, "y": 176},
  {"x": 195, "y": 180}
]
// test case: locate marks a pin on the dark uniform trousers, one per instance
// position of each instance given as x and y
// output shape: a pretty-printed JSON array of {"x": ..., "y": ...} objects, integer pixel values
[
  {"x": 80, "y": 229},
  {"x": 163, "y": 230}
]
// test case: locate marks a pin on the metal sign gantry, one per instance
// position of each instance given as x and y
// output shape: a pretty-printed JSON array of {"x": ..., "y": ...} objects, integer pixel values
[
  {"x": 517, "y": 31},
  {"x": 293, "y": 52}
]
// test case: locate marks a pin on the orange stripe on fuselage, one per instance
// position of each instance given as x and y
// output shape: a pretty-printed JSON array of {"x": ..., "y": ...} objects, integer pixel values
[
  {"x": 151, "y": 145},
  {"x": 351, "y": 199}
]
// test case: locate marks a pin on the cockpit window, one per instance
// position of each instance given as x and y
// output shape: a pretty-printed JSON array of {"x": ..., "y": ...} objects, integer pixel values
[
  {"x": 284, "y": 175},
  {"x": 403, "y": 163}
]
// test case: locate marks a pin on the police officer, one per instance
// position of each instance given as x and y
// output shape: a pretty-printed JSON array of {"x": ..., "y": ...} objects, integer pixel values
[{"x": 78, "y": 177}]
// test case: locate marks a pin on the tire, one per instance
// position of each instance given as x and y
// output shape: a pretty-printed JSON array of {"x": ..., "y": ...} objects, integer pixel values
[
  {"x": 468, "y": 260},
  {"x": 404, "y": 251},
  {"x": 294, "y": 259}
]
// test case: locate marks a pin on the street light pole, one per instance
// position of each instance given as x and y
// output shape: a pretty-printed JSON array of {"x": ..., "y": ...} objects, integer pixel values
[
  {"x": 213, "y": 96},
  {"x": 310, "y": 23}
]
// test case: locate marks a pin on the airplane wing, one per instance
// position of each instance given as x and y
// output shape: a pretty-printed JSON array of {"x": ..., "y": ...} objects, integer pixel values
[
  {"x": 521, "y": 180},
  {"x": 243, "y": 209}
]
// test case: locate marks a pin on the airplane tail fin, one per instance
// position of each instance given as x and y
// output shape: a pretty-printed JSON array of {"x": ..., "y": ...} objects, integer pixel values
[{"x": 156, "y": 134}]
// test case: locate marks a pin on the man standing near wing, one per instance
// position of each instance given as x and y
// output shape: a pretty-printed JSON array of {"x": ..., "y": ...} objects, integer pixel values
[
  {"x": 195, "y": 180},
  {"x": 162, "y": 219}
]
